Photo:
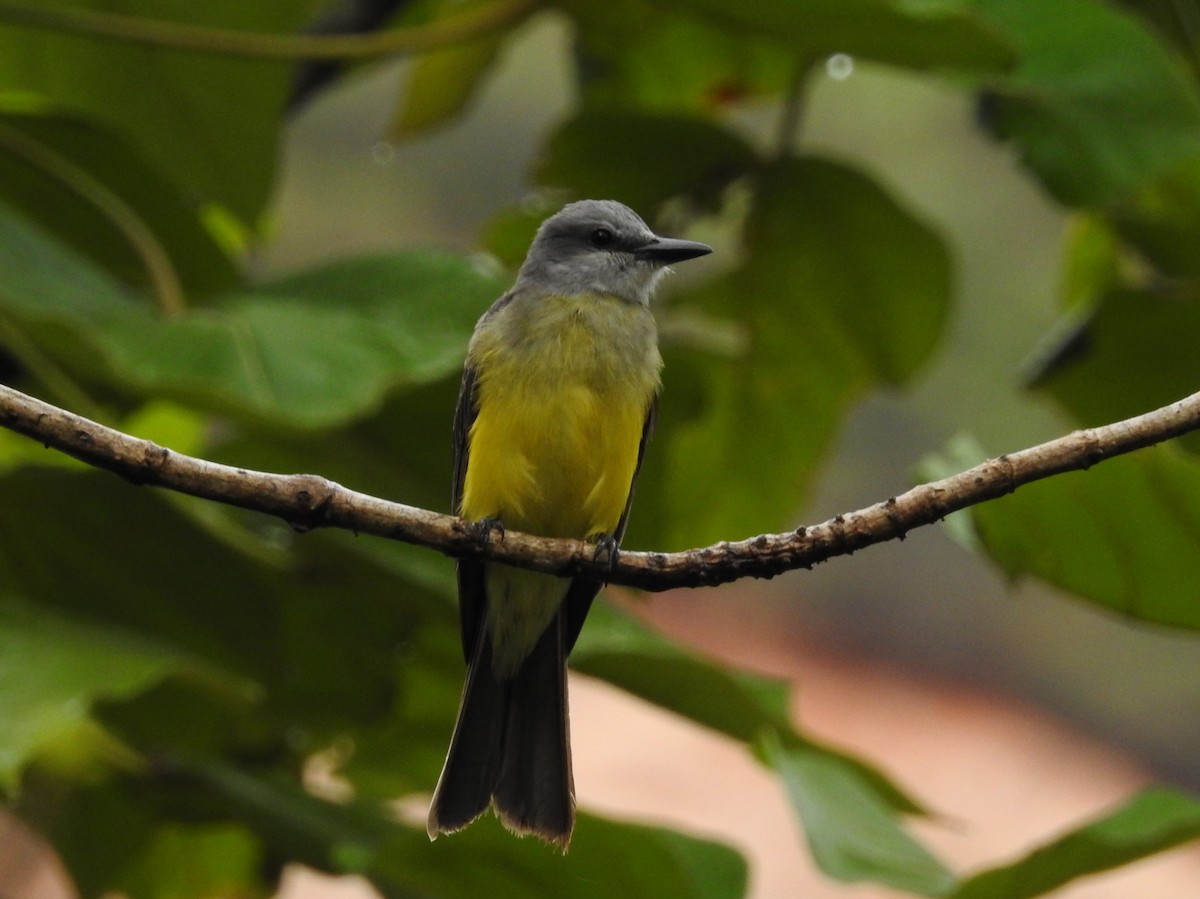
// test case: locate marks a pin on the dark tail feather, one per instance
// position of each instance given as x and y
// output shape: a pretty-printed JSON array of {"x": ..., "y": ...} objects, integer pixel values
[
  {"x": 511, "y": 746},
  {"x": 535, "y": 792},
  {"x": 464, "y": 790}
]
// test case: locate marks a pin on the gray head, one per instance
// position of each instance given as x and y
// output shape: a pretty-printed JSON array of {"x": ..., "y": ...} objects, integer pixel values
[{"x": 601, "y": 246}]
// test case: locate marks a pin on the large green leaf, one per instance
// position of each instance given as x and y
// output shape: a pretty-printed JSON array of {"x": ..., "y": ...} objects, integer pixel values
[
  {"x": 605, "y": 856},
  {"x": 207, "y": 860},
  {"x": 1106, "y": 376},
  {"x": 617, "y": 649},
  {"x": 401, "y": 754},
  {"x": 700, "y": 54},
  {"x": 1150, "y": 822},
  {"x": 1097, "y": 106},
  {"x": 98, "y": 829},
  {"x": 668, "y": 58},
  {"x": 840, "y": 289},
  {"x": 441, "y": 83},
  {"x": 313, "y": 350},
  {"x": 153, "y": 570},
  {"x": 154, "y": 856},
  {"x": 403, "y": 452},
  {"x": 210, "y": 122},
  {"x": 1091, "y": 267},
  {"x": 358, "y": 837},
  {"x": 1125, "y": 534},
  {"x": 188, "y": 781},
  {"x": 851, "y": 826},
  {"x": 317, "y": 349},
  {"x": 84, "y": 183},
  {"x": 52, "y": 670},
  {"x": 644, "y": 159},
  {"x": 850, "y": 811},
  {"x": 1162, "y": 220},
  {"x": 916, "y": 35}
]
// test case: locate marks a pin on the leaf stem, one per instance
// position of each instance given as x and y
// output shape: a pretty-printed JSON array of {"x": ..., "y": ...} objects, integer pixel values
[
  {"x": 45, "y": 370},
  {"x": 164, "y": 280},
  {"x": 792, "y": 110}
]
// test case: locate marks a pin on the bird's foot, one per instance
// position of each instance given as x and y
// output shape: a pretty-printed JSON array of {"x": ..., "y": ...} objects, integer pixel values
[
  {"x": 607, "y": 547},
  {"x": 486, "y": 527}
]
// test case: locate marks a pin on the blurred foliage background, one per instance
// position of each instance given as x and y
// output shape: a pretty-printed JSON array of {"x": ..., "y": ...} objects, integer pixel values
[{"x": 944, "y": 231}]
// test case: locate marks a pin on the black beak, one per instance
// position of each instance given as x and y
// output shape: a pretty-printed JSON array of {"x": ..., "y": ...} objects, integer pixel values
[{"x": 665, "y": 250}]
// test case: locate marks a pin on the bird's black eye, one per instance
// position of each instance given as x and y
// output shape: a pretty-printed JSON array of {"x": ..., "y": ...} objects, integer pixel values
[{"x": 601, "y": 237}]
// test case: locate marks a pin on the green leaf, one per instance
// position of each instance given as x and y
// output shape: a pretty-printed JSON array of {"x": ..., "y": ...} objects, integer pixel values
[
  {"x": 851, "y": 828},
  {"x": 701, "y": 54},
  {"x": 1091, "y": 261},
  {"x": 17, "y": 451},
  {"x": 176, "y": 107},
  {"x": 755, "y": 711},
  {"x": 40, "y": 274},
  {"x": 644, "y": 861},
  {"x": 841, "y": 289},
  {"x": 98, "y": 162},
  {"x": 319, "y": 348},
  {"x": 1111, "y": 347},
  {"x": 334, "y": 837},
  {"x": 357, "y": 837},
  {"x": 1150, "y": 822},
  {"x": 616, "y": 649},
  {"x": 125, "y": 588},
  {"x": 1162, "y": 221},
  {"x": 1124, "y": 534},
  {"x": 313, "y": 350},
  {"x": 643, "y": 159},
  {"x": 961, "y": 452},
  {"x": 377, "y": 454},
  {"x": 181, "y": 862},
  {"x": 1096, "y": 106},
  {"x": 443, "y": 82},
  {"x": 669, "y": 58},
  {"x": 253, "y": 620},
  {"x": 509, "y": 233},
  {"x": 402, "y": 754},
  {"x": 941, "y": 35},
  {"x": 712, "y": 870},
  {"x": 80, "y": 820},
  {"x": 53, "y": 668},
  {"x": 738, "y": 704}
]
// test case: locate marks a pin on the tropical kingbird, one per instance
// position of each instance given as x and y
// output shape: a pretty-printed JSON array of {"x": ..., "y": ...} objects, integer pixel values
[{"x": 557, "y": 403}]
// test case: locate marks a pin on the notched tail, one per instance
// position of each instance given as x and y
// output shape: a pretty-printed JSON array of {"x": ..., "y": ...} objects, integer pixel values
[
  {"x": 511, "y": 747},
  {"x": 472, "y": 766},
  {"x": 535, "y": 791}
]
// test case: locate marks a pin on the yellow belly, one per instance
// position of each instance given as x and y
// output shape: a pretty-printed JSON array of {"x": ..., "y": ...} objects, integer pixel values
[
  {"x": 559, "y": 464},
  {"x": 552, "y": 452}
]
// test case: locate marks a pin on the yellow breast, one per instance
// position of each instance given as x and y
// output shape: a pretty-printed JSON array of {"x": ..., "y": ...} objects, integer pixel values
[{"x": 564, "y": 385}]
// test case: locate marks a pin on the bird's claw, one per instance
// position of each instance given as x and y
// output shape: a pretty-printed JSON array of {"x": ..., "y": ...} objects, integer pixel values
[
  {"x": 607, "y": 546},
  {"x": 484, "y": 528}
]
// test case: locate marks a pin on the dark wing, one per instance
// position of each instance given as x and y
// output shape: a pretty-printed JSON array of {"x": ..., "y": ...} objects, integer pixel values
[
  {"x": 465, "y": 412},
  {"x": 647, "y": 432},
  {"x": 472, "y": 599},
  {"x": 584, "y": 589}
]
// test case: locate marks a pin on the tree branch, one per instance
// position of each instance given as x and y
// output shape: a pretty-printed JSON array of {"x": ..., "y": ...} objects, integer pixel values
[{"x": 309, "y": 501}]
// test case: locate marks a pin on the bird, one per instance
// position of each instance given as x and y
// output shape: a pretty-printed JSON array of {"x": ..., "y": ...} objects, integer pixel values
[{"x": 557, "y": 402}]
